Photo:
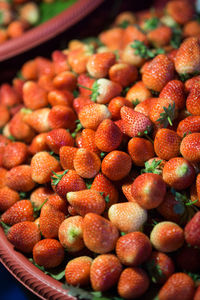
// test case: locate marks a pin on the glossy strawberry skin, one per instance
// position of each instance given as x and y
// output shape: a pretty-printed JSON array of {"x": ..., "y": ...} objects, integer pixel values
[
  {"x": 99, "y": 64},
  {"x": 192, "y": 102},
  {"x": 7, "y": 198},
  {"x": 192, "y": 231},
  {"x": 140, "y": 150},
  {"x": 15, "y": 154},
  {"x": 188, "y": 125},
  {"x": 174, "y": 90},
  {"x": 190, "y": 147},
  {"x": 58, "y": 138},
  {"x": 18, "y": 212}
]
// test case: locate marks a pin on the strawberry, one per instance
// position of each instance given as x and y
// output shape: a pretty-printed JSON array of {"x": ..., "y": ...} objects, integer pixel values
[
  {"x": 174, "y": 90},
  {"x": 99, "y": 64},
  {"x": 115, "y": 106},
  {"x": 105, "y": 272},
  {"x": 138, "y": 93},
  {"x": 103, "y": 185},
  {"x": 191, "y": 230},
  {"x": 78, "y": 58},
  {"x": 188, "y": 259},
  {"x": 48, "y": 253},
  {"x": 133, "y": 283},
  {"x": 67, "y": 155},
  {"x": 140, "y": 150},
  {"x": 134, "y": 123},
  {"x": 167, "y": 236},
  {"x": 3, "y": 173},
  {"x": 179, "y": 286},
  {"x": 112, "y": 38},
  {"x": 86, "y": 201},
  {"x": 29, "y": 70},
  {"x": 99, "y": 234},
  {"x": 148, "y": 190},
  {"x": 180, "y": 11},
  {"x": 197, "y": 294},
  {"x": 44, "y": 66},
  {"x": 123, "y": 74},
  {"x": 88, "y": 140},
  {"x": 198, "y": 185},
  {"x": 60, "y": 97},
  {"x": 77, "y": 271},
  {"x": 50, "y": 221},
  {"x": 87, "y": 83},
  {"x": 58, "y": 203},
  {"x": 86, "y": 163},
  {"x": 4, "y": 115},
  {"x": 65, "y": 80},
  {"x": 15, "y": 154},
  {"x": 39, "y": 195},
  {"x": 191, "y": 28},
  {"x": 108, "y": 136},
  {"x": 167, "y": 144},
  {"x": 92, "y": 115},
  {"x": 18, "y": 212},
  {"x": 45, "y": 82},
  {"x": 38, "y": 143},
  {"x": 154, "y": 165},
  {"x": 80, "y": 102},
  {"x": 71, "y": 234},
  {"x": 191, "y": 82},
  {"x": 190, "y": 147},
  {"x": 7, "y": 198},
  {"x": 61, "y": 117},
  {"x": 127, "y": 216},
  {"x": 188, "y": 125},
  {"x": 34, "y": 96},
  {"x": 8, "y": 95},
  {"x": 160, "y": 267},
  {"x": 133, "y": 33},
  {"x": 57, "y": 138},
  {"x": 158, "y": 73},
  {"x": 178, "y": 173},
  {"x": 160, "y": 36},
  {"x": 59, "y": 60},
  {"x": 116, "y": 165},
  {"x": 24, "y": 235},
  {"x": 42, "y": 165},
  {"x": 192, "y": 102},
  {"x": 144, "y": 107},
  {"x": 19, "y": 178},
  {"x": 126, "y": 17},
  {"x": 38, "y": 119},
  {"x": 188, "y": 56}
]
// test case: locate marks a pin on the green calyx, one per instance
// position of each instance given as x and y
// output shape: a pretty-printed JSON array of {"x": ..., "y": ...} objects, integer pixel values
[
  {"x": 79, "y": 126},
  {"x": 57, "y": 177},
  {"x": 167, "y": 117},
  {"x": 94, "y": 90},
  {"x": 151, "y": 24},
  {"x": 143, "y": 51},
  {"x": 153, "y": 167}
]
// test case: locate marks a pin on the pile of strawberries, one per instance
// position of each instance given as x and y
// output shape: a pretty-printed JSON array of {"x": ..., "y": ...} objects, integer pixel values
[{"x": 100, "y": 158}]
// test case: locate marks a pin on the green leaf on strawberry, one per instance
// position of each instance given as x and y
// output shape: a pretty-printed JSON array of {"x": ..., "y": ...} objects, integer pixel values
[
  {"x": 151, "y": 24},
  {"x": 79, "y": 126},
  {"x": 57, "y": 177},
  {"x": 153, "y": 167},
  {"x": 167, "y": 117},
  {"x": 154, "y": 271},
  {"x": 94, "y": 90},
  {"x": 143, "y": 51},
  {"x": 5, "y": 227}
]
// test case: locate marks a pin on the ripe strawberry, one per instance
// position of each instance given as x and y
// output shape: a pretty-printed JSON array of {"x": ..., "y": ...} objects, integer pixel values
[
  {"x": 160, "y": 267},
  {"x": 105, "y": 272},
  {"x": 132, "y": 33},
  {"x": 19, "y": 178},
  {"x": 86, "y": 163},
  {"x": 58, "y": 203},
  {"x": 86, "y": 201},
  {"x": 160, "y": 36},
  {"x": 148, "y": 190},
  {"x": 123, "y": 74},
  {"x": 77, "y": 271},
  {"x": 50, "y": 220},
  {"x": 175, "y": 91},
  {"x": 48, "y": 253},
  {"x": 115, "y": 106},
  {"x": 4, "y": 115},
  {"x": 87, "y": 83},
  {"x": 188, "y": 56},
  {"x": 178, "y": 173},
  {"x": 158, "y": 73},
  {"x": 57, "y": 138},
  {"x": 191, "y": 28},
  {"x": 92, "y": 115},
  {"x": 188, "y": 259},
  {"x": 45, "y": 82},
  {"x": 154, "y": 165},
  {"x": 78, "y": 58},
  {"x": 167, "y": 144},
  {"x": 59, "y": 60},
  {"x": 192, "y": 102},
  {"x": 127, "y": 216},
  {"x": 34, "y": 96},
  {"x": 180, "y": 11},
  {"x": 39, "y": 195},
  {"x": 127, "y": 16},
  {"x": 134, "y": 123},
  {"x": 179, "y": 286},
  {"x": 44, "y": 66},
  {"x": 188, "y": 125},
  {"x": 99, "y": 64},
  {"x": 80, "y": 102},
  {"x": 198, "y": 186},
  {"x": 88, "y": 140},
  {"x": 133, "y": 283},
  {"x": 15, "y": 154},
  {"x": 112, "y": 38},
  {"x": 8, "y": 95},
  {"x": 140, "y": 150},
  {"x": 24, "y": 235},
  {"x": 18, "y": 212},
  {"x": 60, "y": 97},
  {"x": 42, "y": 165},
  {"x": 191, "y": 82},
  {"x": 29, "y": 70},
  {"x": 99, "y": 234},
  {"x": 133, "y": 248},
  {"x": 190, "y": 147},
  {"x": 38, "y": 143},
  {"x": 67, "y": 155},
  {"x": 116, "y": 165},
  {"x": 62, "y": 117},
  {"x": 108, "y": 136},
  {"x": 144, "y": 107},
  {"x": 38, "y": 119},
  {"x": 191, "y": 231},
  {"x": 3, "y": 173},
  {"x": 138, "y": 93},
  {"x": 167, "y": 236},
  {"x": 7, "y": 198},
  {"x": 65, "y": 80},
  {"x": 71, "y": 234},
  {"x": 103, "y": 185}
]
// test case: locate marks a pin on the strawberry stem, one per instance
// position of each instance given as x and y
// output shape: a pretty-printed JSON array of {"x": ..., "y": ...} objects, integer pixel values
[
  {"x": 84, "y": 87},
  {"x": 56, "y": 179}
]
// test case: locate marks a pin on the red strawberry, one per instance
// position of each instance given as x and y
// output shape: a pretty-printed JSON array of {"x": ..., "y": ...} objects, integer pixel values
[
  {"x": 58, "y": 138},
  {"x": 38, "y": 144},
  {"x": 7, "y": 198},
  {"x": 80, "y": 102},
  {"x": 59, "y": 61},
  {"x": 8, "y": 95},
  {"x": 192, "y": 231},
  {"x": 160, "y": 36},
  {"x": 175, "y": 91},
  {"x": 58, "y": 203},
  {"x": 15, "y": 154},
  {"x": 105, "y": 271},
  {"x": 193, "y": 99},
  {"x": 115, "y": 106},
  {"x": 190, "y": 147},
  {"x": 88, "y": 140},
  {"x": 39, "y": 195},
  {"x": 19, "y": 178},
  {"x": 4, "y": 115},
  {"x": 134, "y": 123},
  {"x": 48, "y": 253},
  {"x": 71, "y": 234},
  {"x": 67, "y": 155},
  {"x": 133, "y": 249},
  {"x": 60, "y": 97},
  {"x": 123, "y": 73},
  {"x": 190, "y": 124},
  {"x": 18, "y": 212},
  {"x": 65, "y": 80},
  {"x": 38, "y": 119},
  {"x": 180, "y": 11},
  {"x": 77, "y": 271},
  {"x": 112, "y": 38},
  {"x": 99, "y": 64},
  {"x": 24, "y": 235},
  {"x": 3, "y": 173},
  {"x": 99, "y": 234},
  {"x": 140, "y": 150},
  {"x": 148, "y": 190},
  {"x": 138, "y": 93},
  {"x": 62, "y": 116},
  {"x": 86, "y": 81},
  {"x": 34, "y": 96}
]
